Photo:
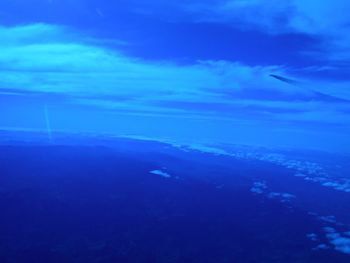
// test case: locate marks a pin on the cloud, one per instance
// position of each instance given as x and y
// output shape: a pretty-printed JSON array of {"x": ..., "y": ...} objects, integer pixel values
[
  {"x": 321, "y": 247},
  {"x": 259, "y": 187},
  {"x": 41, "y": 57},
  {"x": 58, "y": 64},
  {"x": 47, "y": 61},
  {"x": 161, "y": 173},
  {"x": 338, "y": 240},
  {"x": 327, "y": 20},
  {"x": 303, "y": 168},
  {"x": 283, "y": 197},
  {"x": 312, "y": 237},
  {"x": 50, "y": 58},
  {"x": 246, "y": 13}
]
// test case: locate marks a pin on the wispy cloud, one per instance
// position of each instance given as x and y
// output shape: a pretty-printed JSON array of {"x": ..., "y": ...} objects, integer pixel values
[
  {"x": 48, "y": 60},
  {"x": 327, "y": 21}
]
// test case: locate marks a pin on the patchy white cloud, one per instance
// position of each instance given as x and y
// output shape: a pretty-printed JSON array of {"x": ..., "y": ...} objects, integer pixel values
[
  {"x": 312, "y": 236},
  {"x": 207, "y": 149},
  {"x": 161, "y": 173},
  {"x": 300, "y": 175},
  {"x": 340, "y": 241},
  {"x": 321, "y": 247},
  {"x": 328, "y": 219},
  {"x": 305, "y": 169},
  {"x": 283, "y": 197},
  {"x": 259, "y": 187}
]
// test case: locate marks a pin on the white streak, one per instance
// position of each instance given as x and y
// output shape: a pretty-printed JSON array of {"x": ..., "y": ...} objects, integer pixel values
[
  {"x": 161, "y": 173},
  {"x": 48, "y": 123}
]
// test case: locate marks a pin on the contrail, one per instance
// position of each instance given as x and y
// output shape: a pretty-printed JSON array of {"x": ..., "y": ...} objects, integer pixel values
[{"x": 48, "y": 124}]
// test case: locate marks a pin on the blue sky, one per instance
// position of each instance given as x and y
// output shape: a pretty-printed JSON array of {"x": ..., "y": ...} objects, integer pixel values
[{"x": 184, "y": 70}]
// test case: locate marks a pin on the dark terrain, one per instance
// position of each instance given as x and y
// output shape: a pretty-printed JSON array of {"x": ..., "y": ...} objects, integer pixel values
[{"x": 99, "y": 204}]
